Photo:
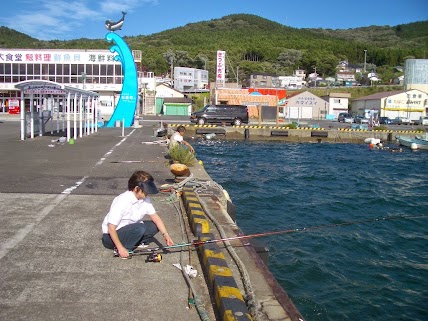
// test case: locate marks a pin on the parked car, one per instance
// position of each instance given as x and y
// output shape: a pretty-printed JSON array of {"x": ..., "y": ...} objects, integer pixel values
[
  {"x": 421, "y": 121},
  {"x": 401, "y": 121},
  {"x": 361, "y": 120},
  {"x": 385, "y": 120},
  {"x": 345, "y": 117},
  {"x": 231, "y": 114}
]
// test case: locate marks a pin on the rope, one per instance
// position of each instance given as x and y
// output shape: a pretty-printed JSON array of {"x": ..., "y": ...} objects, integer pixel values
[
  {"x": 199, "y": 304},
  {"x": 252, "y": 303}
]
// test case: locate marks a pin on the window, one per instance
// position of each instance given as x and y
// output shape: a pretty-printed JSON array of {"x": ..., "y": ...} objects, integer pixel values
[
  {"x": 66, "y": 70},
  {"x": 88, "y": 70},
  {"x": 73, "y": 72},
  {"x": 80, "y": 69},
  {"x": 51, "y": 70},
  {"x": 7, "y": 69}
]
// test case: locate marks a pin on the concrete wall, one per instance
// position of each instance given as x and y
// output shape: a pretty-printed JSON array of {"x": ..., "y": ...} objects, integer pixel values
[{"x": 280, "y": 133}]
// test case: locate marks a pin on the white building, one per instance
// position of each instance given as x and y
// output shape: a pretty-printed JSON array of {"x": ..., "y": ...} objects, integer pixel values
[
  {"x": 411, "y": 104},
  {"x": 190, "y": 79},
  {"x": 416, "y": 74},
  {"x": 291, "y": 82},
  {"x": 93, "y": 70},
  {"x": 337, "y": 103},
  {"x": 305, "y": 106}
]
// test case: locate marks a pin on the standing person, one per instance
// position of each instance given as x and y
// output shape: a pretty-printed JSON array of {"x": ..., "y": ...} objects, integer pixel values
[
  {"x": 123, "y": 227},
  {"x": 177, "y": 138}
]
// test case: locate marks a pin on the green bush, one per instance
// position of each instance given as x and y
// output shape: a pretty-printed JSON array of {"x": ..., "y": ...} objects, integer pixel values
[{"x": 182, "y": 154}]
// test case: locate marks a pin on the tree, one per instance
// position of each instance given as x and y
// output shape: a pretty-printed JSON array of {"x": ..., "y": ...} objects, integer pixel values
[
  {"x": 170, "y": 58},
  {"x": 200, "y": 61},
  {"x": 290, "y": 58}
]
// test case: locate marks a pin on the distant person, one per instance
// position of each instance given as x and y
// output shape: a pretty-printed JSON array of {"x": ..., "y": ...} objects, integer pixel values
[
  {"x": 123, "y": 227},
  {"x": 177, "y": 138}
]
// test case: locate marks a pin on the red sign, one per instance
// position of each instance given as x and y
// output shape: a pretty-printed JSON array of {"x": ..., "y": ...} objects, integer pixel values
[{"x": 13, "y": 107}]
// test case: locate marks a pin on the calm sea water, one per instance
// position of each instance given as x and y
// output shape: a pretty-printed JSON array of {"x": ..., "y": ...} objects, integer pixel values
[{"x": 369, "y": 271}]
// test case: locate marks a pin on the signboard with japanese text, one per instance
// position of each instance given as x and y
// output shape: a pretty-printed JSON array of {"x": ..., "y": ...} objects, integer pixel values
[
  {"x": 57, "y": 56},
  {"x": 44, "y": 89},
  {"x": 221, "y": 69},
  {"x": 13, "y": 106}
]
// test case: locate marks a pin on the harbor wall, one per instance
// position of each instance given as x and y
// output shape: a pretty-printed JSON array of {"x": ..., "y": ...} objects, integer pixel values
[
  {"x": 281, "y": 133},
  {"x": 232, "y": 271}
]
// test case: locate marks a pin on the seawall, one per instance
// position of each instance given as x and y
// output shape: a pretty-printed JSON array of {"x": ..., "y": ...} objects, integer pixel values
[
  {"x": 281, "y": 133},
  {"x": 238, "y": 278}
]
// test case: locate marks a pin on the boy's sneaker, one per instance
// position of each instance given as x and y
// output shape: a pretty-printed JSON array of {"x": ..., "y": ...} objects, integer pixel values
[{"x": 142, "y": 246}]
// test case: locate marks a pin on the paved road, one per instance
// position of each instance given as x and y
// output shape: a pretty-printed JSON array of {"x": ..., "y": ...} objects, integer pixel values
[{"x": 53, "y": 197}]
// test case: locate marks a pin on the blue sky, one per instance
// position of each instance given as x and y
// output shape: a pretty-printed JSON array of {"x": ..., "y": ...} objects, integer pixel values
[{"x": 74, "y": 19}]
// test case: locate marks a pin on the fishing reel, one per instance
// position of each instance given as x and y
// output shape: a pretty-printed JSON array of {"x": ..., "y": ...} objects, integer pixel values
[{"x": 154, "y": 257}]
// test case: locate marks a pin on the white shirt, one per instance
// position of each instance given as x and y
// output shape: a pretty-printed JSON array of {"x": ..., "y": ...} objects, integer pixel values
[
  {"x": 127, "y": 209},
  {"x": 176, "y": 138}
]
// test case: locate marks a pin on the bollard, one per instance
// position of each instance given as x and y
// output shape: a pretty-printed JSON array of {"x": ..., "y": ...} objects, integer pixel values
[{"x": 247, "y": 133}]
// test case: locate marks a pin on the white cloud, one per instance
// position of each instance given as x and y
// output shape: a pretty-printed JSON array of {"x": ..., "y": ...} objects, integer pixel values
[
  {"x": 59, "y": 19},
  {"x": 111, "y": 6}
]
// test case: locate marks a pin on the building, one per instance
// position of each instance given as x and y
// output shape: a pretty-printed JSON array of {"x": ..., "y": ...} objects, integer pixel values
[
  {"x": 416, "y": 74},
  {"x": 305, "y": 106},
  {"x": 300, "y": 73},
  {"x": 411, "y": 104},
  {"x": 264, "y": 80},
  {"x": 345, "y": 77},
  {"x": 337, "y": 103},
  {"x": 170, "y": 101},
  {"x": 93, "y": 70},
  {"x": 291, "y": 82},
  {"x": 190, "y": 79}
]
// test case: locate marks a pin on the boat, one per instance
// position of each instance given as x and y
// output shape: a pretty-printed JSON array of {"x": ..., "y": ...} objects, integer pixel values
[{"x": 417, "y": 142}]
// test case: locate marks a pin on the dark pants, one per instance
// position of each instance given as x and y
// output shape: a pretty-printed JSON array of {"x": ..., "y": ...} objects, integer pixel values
[{"x": 132, "y": 235}]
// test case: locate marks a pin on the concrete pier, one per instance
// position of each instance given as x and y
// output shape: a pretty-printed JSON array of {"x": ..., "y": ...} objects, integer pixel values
[{"x": 53, "y": 197}]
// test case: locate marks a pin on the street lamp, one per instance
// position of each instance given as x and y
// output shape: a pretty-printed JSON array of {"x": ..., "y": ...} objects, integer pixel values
[{"x": 365, "y": 59}]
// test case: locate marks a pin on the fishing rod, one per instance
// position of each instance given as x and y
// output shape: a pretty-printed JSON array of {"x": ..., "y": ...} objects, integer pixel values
[
  {"x": 310, "y": 228},
  {"x": 155, "y": 256}
]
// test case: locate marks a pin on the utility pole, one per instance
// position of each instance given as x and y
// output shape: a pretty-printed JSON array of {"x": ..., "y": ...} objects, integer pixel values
[
  {"x": 365, "y": 59},
  {"x": 316, "y": 75},
  {"x": 171, "y": 61}
]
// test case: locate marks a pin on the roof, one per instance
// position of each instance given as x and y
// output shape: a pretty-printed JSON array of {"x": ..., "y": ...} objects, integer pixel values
[
  {"x": 177, "y": 100},
  {"x": 263, "y": 74},
  {"x": 38, "y": 86},
  {"x": 339, "y": 95},
  {"x": 381, "y": 95}
]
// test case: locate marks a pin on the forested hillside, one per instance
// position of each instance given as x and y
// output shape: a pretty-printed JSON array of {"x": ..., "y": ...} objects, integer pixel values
[{"x": 255, "y": 44}]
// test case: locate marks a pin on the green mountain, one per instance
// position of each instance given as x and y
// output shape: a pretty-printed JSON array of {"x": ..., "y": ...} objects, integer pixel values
[{"x": 255, "y": 44}]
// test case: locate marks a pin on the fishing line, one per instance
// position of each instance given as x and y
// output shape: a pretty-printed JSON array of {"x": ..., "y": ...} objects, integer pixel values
[{"x": 295, "y": 230}]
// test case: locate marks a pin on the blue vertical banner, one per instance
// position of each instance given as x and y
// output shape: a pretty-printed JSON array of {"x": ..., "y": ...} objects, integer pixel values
[{"x": 127, "y": 104}]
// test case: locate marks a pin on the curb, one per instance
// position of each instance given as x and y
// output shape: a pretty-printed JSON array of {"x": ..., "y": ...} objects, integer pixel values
[{"x": 230, "y": 303}]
